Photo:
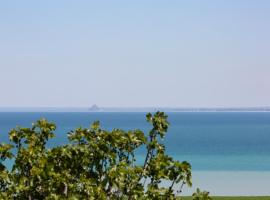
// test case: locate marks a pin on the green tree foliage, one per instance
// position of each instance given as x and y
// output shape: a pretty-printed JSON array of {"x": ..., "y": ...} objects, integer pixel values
[
  {"x": 95, "y": 164},
  {"x": 201, "y": 195}
]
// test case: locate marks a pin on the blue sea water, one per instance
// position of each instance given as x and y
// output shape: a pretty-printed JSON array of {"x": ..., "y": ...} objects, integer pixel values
[{"x": 208, "y": 140}]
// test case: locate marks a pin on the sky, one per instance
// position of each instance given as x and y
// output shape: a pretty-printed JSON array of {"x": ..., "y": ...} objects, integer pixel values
[{"x": 135, "y": 53}]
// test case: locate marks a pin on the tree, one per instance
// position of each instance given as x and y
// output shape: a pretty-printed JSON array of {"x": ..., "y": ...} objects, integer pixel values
[{"x": 95, "y": 164}]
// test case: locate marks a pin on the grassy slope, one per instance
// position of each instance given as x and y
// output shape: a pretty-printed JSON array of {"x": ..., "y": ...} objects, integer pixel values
[{"x": 234, "y": 198}]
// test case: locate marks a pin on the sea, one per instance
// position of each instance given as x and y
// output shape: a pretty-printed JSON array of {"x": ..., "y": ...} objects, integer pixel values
[{"x": 229, "y": 151}]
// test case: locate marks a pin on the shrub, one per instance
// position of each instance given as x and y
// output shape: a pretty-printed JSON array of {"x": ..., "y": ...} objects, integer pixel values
[{"x": 95, "y": 164}]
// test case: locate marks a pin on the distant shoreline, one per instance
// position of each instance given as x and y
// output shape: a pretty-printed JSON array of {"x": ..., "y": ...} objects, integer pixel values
[{"x": 131, "y": 109}]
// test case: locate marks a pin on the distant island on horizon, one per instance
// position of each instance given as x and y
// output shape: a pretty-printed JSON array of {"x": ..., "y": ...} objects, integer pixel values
[{"x": 95, "y": 108}]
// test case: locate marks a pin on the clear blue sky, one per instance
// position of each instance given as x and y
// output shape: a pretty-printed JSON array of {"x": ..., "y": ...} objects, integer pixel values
[{"x": 135, "y": 53}]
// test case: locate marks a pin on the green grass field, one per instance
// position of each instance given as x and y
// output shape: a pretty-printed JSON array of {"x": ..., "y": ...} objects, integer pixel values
[{"x": 234, "y": 198}]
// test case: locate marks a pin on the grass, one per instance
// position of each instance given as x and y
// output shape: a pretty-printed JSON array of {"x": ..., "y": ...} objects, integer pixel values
[{"x": 234, "y": 198}]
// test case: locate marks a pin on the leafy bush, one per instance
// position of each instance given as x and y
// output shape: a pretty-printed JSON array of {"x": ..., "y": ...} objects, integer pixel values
[
  {"x": 201, "y": 195},
  {"x": 96, "y": 164}
]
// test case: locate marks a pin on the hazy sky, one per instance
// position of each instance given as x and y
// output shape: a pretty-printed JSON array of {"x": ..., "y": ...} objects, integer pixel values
[{"x": 135, "y": 53}]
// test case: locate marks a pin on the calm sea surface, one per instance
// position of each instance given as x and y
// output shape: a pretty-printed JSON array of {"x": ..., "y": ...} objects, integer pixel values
[
  {"x": 210, "y": 141},
  {"x": 215, "y": 143}
]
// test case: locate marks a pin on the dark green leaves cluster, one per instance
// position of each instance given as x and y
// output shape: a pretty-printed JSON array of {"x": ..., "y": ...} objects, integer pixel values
[
  {"x": 201, "y": 195},
  {"x": 96, "y": 164}
]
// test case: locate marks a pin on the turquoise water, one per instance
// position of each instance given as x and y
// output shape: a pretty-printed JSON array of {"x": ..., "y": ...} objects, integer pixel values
[{"x": 213, "y": 141}]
